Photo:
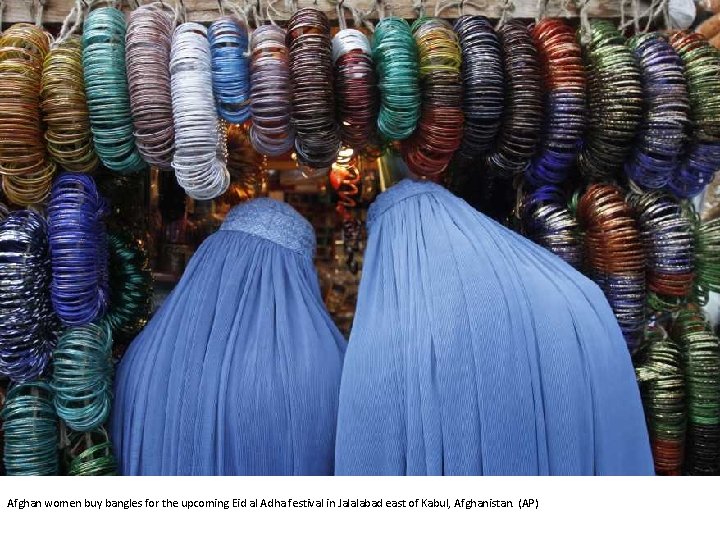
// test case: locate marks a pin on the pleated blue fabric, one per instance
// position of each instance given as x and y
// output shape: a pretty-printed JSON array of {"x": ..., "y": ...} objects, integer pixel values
[
  {"x": 476, "y": 352},
  {"x": 239, "y": 371}
]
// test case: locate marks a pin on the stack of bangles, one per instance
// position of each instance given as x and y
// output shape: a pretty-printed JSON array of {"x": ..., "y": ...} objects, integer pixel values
[
  {"x": 701, "y": 361},
  {"x": 25, "y": 166},
  {"x": 396, "y": 63},
  {"x": 702, "y": 155},
  {"x": 317, "y": 135},
  {"x": 547, "y": 221},
  {"x": 79, "y": 269},
  {"x": 199, "y": 160},
  {"x": 82, "y": 376},
  {"x": 64, "y": 107},
  {"x": 147, "y": 54},
  {"x": 27, "y": 322},
  {"x": 439, "y": 133},
  {"x": 483, "y": 79},
  {"x": 355, "y": 87},
  {"x": 31, "y": 431},
  {"x": 668, "y": 238},
  {"x": 615, "y": 102},
  {"x": 271, "y": 132},
  {"x": 90, "y": 454},
  {"x": 662, "y": 384},
  {"x": 565, "y": 108},
  {"x": 615, "y": 257},
  {"x": 230, "y": 71},
  {"x": 666, "y": 120},
  {"x": 523, "y": 114},
  {"x": 106, "y": 88}
]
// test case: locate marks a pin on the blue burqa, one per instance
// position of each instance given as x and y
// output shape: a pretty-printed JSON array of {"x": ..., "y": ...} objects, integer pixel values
[
  {"x": 238, "y": 372},
  {"x": 475, "y": 351}
]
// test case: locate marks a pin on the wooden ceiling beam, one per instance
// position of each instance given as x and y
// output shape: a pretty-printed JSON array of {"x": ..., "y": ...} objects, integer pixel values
[{"x": 207, "y": 10}]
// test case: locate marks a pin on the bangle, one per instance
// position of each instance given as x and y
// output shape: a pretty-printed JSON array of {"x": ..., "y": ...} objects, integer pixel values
[
  {"x": 483, "y": 79},
  {"x": 547, "y": 221},
  {"x": 439, "y": 133},
  {"x": 78, "y": 247},
  {"x": 27, "y": 321},
  {"x": 147, "y": 56},
  {"x": 666, "y": 120},
  {"x": 614, "y": 256},
  {"x": 702, "y": 155},
  {"x": 31, "y": 431},
  {"x": 271, "y": 132},
  {"x": 130, "y": 287},
  {"x": 82, "y": 376},
  {"x": 523, "y": 113},
  {"x": 565, "y": 110},
  {"x": 230, "y": 71},
  {"x": 660, "y": 375},
  {"x": 106, "y": 88},
  {"x": 668, "y": 238},
  {"x": 317, "y": 136},
  {"x": 91, "y": 454},
  {"x": 64, "y": 107},
  {"x": 200, "y": 152},
  {"x": 24, "y": 165},
  {"x": 615, "y": 102},
  {"x": 396, "y": 63}
]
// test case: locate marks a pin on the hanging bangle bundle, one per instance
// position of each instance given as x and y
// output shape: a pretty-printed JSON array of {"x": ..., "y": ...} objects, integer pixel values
[
  {"x": 615, "y": 257},
  {"x": 230, "y": 71},
  {"x": 396, "y": 63},
  {"x": 665, "y": 122},
  {"x": 615, "y": 102},
  {"x": 24, "y": 164},
  {"x": 547, "y": 221},
  {"x": 662, "y": 386},
  {"x": 483, "y": 79},
  {"x": 79, "y": 268},
  {"x": 523, "y": 111},
  {"x": 317, "y": 136},
  {"x": 106, "y": 88},
  {"x": 64, "y": 107},
  {"x": 564, "y": 122},
  {"x": 355, "y": 88},
  {"x": 130, "y": 286},
  {"x": 147, "y": 56},
  {"x": 668, "y": 238},
  {"x": 702, "y": 72},
  {"x": 91, "y": 454},
  {"x": 271, "y": 132},
  {"x": 199, "y": 160},
  {"x": 27, "y": 323},
  {"x": 439, "y": 133},
  {"x": 82, "y": 376},
  {"x": 31, "y": 431},
  {"x": 701, "y": 359}
]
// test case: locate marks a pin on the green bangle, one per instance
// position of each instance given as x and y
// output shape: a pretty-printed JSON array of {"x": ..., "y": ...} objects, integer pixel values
[
  {"x": 396, "y": 61},
  {"x": 107, "y": 91}
]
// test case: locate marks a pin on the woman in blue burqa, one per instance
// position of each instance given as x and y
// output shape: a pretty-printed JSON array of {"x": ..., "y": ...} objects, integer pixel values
[
  {"x": 238, "y": 372},
  {"x": 475, "y": 351}
]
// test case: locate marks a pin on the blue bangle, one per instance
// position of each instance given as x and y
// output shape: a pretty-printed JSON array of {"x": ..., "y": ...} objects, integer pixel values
[
  {"x": 31, "y": 431},
  {"x": 78, "y": 243},
  {"x": 27, "y": 322},
  {"x": 230, "y": 69}
]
